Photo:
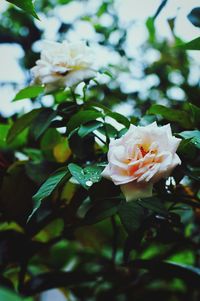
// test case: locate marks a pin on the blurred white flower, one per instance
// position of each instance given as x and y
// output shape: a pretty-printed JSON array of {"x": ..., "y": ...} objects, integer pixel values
[
  {"x": 141, "y": 157},
  {"x": 63, "y": 65}
]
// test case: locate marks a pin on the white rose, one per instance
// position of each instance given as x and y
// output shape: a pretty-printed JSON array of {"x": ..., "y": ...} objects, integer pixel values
[
  {"x": 141, "y": 157},
  {"x": 63, "y": 65}
]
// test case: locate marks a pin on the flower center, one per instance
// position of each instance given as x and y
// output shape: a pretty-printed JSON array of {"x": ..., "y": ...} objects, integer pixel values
[{"x": 143, "y": 151}]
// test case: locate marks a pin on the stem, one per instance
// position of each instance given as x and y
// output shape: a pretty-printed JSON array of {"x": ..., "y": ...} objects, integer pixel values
[
  {"x": 115, "y": 238},
  {"x": 73, "y": 95},
  {"x": 106, "y": 132},
  {"x": 22, "y": 274},
  {"x": 84, "y": 92},
  {"x": 99, "y": 138}
]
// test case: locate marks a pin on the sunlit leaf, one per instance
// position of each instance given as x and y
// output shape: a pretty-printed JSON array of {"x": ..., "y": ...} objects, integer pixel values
[
  {"x": 26, "y": 5},
  {"x": 29, "y": 92},
  {"x": 89, "y": 127},
  {"x": 193, "y": 136},
  {"x": 120, "y": 118},
  {"x": 17, "y": 141},
  {"x": 48, "y": 187},
  {"x": 181, "y": 117},
  {"x": 8, "y": 295},
  {"x": 62, "y": 151},
  {"x": 82, "y": 117},
  {"x": 87, "y": 176},
  {"x": 192, "y": 45}
]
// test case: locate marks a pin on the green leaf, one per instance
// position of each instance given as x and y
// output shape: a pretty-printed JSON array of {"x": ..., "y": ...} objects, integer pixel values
[
  {"x": 106, "y": 72},
  {"x": 195, "y": 114},
  {"x": 29, "y": 92},
  {"x": 103, "y": 208},
  {"x": 82, "y": 148},
  {"x": 154, "y": 204},
  {"x": 89, "y": 127},
  {"x": 22, "y": 123},
  {"x": 160, "y": 8},
  {"x": 151, "y": 29},
  {"x": 192, "y": 45},
  {"x": 169, "y": 270},
  {"x": 26, "y": 5},
  {"x": 55, "y": 279},
  {"x": 16, "y": 193},
  {"x": 183, "y": 257},
  {"x": 102, "y": 9},
  {"x": 119, "y": 118},
  {"x": 108, "y": 130},
  {"x": 62, "y": 96},
  {"x": 194, "y": 173},
  {"x": 82, "y": 117},
  {"x": 48, "y": 187},
  {"x": 132, "y": 215},
  {"x": 18, "y": 142},
  {"x": 187, "y": 149},
  {"x": 194, "y": 137},
  {"x": 95, "y": 104},
  {"x": 8, "y": 295},
  {"x": 181, "y": 117},
  {"x": 42, "y": 122},
  {"x": 87, "y": 176}
]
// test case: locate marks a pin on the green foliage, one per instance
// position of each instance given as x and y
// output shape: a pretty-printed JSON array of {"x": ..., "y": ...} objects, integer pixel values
[
  {"x": 132, "y": 216},
  {"x": 26, "y": 5},
  {"x": 41, "y": 122},
  {"x": 29, "y": 92},
  {"x": 82, "y": 117},
  {"x": 192, "y": 45},
  {"x": 64, "y": 226},
  {"x": 48, "y": 187},
  {"x": 21, "y": 124},
  {"x": 87, "y": 176},
  {"x": 192, "y": 136},
  {"x": 89, "y": 127},
  {"x": 181, "y": 117}
]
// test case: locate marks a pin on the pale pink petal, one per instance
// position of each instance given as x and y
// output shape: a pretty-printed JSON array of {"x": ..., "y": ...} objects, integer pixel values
[
  {"x": 106, "y": 172},
  {"x": 75, "y": 77},
  {"x": 133, "y": 191}
]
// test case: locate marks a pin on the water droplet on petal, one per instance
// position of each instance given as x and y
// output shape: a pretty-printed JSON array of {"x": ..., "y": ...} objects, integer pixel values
[{"x": 89, "y": 183}]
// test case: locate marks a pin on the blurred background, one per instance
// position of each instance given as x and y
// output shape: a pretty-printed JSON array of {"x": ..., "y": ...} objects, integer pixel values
[{"x": 137, "y": 52}]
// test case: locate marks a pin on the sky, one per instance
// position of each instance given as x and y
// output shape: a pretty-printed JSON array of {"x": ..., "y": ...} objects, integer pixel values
[{"x": 128, "y": 11}]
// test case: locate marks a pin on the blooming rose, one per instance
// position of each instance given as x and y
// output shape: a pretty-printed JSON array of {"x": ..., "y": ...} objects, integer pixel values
[
  {"x": 63, "y": 65},
  {"x": 141, "y": 157}
]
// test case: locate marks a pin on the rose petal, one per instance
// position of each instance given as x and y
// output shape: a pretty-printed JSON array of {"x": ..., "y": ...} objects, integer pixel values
[
  {"x": 106, "y": 173},
  {"x": 134, "y": 190},
  {"x": 75, "y": 77}
]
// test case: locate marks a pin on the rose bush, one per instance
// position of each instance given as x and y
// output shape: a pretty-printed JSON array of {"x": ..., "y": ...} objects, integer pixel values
[
  {"x": 99, "y": 179},
  {"x": 140, "y": 158}
]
